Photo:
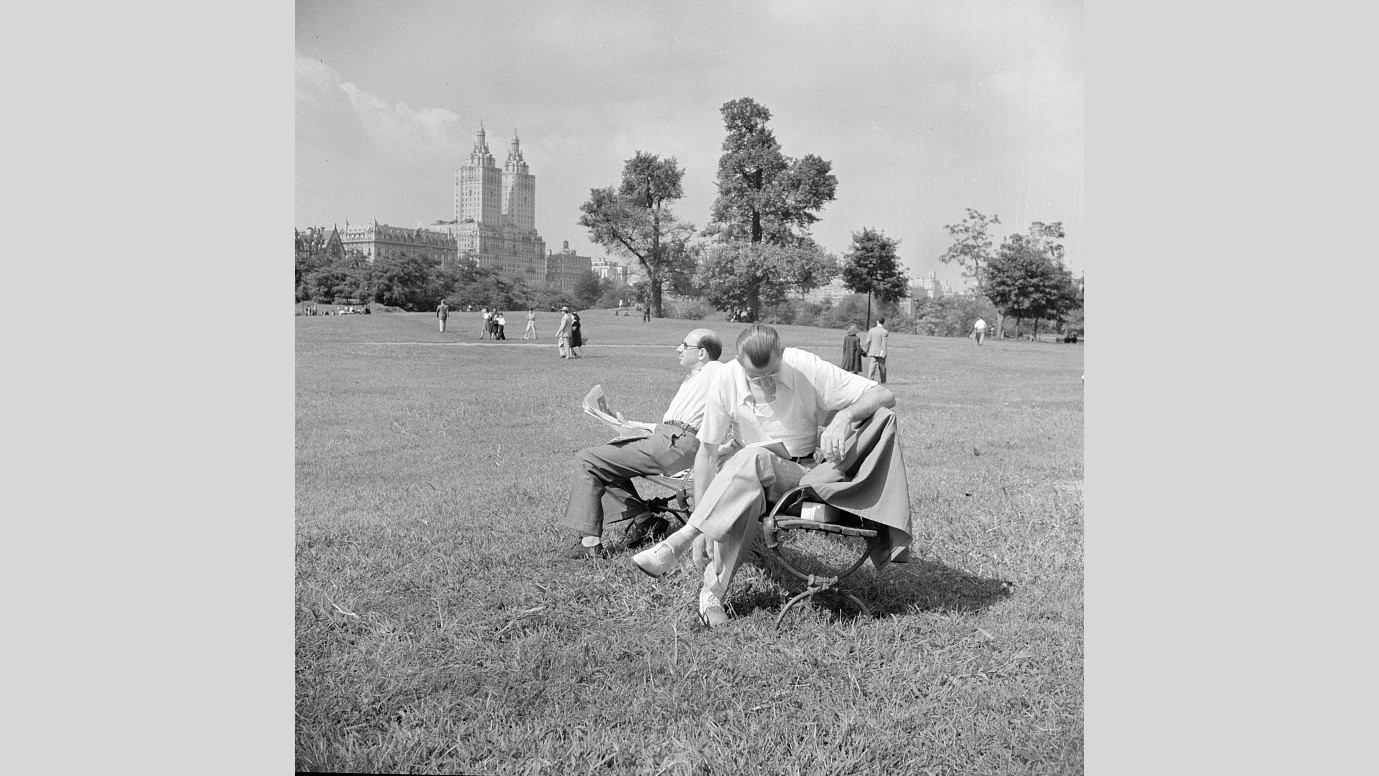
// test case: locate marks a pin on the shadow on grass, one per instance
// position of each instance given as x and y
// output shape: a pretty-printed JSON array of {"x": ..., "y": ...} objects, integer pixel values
[{"x": 922, "y": 585}]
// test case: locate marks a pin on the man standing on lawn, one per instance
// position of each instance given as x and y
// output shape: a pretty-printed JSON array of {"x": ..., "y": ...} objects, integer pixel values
[
  {"x": 442, "y": 312},
  {"x": 979, "y": 330},
  {"x": 563, "y": 332},
  {"x": 768, "y": 393},
  {"x": 603, "y": 483},
  {"x": 875, "y": 348}
]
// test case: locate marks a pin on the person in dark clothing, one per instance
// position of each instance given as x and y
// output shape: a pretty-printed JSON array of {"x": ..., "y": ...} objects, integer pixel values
[
  {"x": 576, "y": 338},
  {"x": 852, "y": 352}
]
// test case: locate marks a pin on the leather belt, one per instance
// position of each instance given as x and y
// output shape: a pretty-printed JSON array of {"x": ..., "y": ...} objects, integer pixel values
[
  {"x": 681, "y": 424},
  {"x": 803, "y": 458}
]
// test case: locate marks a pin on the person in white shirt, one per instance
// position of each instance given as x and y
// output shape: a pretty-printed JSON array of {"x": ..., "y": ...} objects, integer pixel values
[
  {"x": 979, "y": 330},
  {"x": 562, "y": 333},
  {"x": 483, "y": 323},
  {"x": 603, "y": 484},
  {"x": 769, "y": 393}
]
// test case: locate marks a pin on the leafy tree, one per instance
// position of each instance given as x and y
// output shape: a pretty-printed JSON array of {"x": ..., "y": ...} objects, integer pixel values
[
  {"x": 871, "y": 268},
  {"x": 972, "y": 251},
  {"x": 1027, "y": 279},
  {"x": 768, "y": 202},
  {"x": 408, "y": 281},
  {"x": 763, "y": 195},
  {"x": 636, "y": 221},
  {"x": 588, "y": 290},
  {"x": 745, "y": 276}
]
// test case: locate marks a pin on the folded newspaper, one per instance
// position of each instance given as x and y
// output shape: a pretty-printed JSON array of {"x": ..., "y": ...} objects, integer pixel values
[{"x": 596, "y": 405}]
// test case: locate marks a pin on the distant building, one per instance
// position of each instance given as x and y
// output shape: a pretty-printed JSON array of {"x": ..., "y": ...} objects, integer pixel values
[
  {"x": 495, "y": 213},
  {"x": 565, "y": 268},
  {"x": 377, "y": 240},
  {"x": 833, "y": 293},
  {"x": 610, "y": 270}
]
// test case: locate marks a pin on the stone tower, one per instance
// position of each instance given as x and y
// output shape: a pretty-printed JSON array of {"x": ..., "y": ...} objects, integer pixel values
[
  {"x": 519, "y": 190},
  {"x": 478, "y": 186}
]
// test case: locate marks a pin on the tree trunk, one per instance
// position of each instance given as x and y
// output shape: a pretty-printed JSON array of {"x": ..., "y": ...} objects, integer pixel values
[
  {"x": 866, "y": 322},
  {"x": 655, "y": 298}
]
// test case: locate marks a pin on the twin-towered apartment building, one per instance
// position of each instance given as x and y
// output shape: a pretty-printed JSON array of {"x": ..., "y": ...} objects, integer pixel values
[{"x": 494, "y": 224}]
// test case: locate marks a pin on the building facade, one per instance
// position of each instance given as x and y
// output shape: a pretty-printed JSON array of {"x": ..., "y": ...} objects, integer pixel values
[
  {"x": 377, "y": 241},
  {"x": 565, "y": 268},
  {"x": 495, "y": 213},
  {"x": 611, "y": 271}
]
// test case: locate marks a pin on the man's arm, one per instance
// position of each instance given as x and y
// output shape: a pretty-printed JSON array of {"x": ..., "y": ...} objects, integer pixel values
[
  {"x": 705, "y": 467},
  {"x": 834, "y": 438}
]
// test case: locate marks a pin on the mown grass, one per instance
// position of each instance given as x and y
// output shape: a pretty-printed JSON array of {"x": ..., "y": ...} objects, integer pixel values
[{"x": 436, "y": 632}]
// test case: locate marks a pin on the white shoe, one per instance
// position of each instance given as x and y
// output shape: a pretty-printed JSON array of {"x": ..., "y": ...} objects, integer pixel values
[
  {"x": 657, "y": 560},
  {"x": 711, "y": 609}
]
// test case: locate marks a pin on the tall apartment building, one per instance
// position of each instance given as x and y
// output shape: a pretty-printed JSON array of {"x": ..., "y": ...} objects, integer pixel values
[
  {"x": 495, "y": 213},
  {"x": 565, "y": 268}
]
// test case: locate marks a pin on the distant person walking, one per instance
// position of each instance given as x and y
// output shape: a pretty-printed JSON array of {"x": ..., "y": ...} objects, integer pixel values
[
  {"x": 979, "y": 330},
  {"x": 531, "y": 324},
  {"x": 646, "y": 312},
  {"x": 562, "y": 334},
  {"x": 483, "y": 322},
  {"x": 442, "y": 312},
  {"x": 500, "y": 326},
  {"x": 852, "y": 351},
  {"x": 876, "y": 350},
  {"x": 576, "y": 336}
]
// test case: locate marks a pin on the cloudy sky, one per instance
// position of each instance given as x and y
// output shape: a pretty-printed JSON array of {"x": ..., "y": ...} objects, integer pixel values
[{"x": 924, "y": 110}]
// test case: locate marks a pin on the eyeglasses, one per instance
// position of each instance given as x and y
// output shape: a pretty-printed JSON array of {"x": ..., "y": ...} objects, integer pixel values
[{"x": 687, "y": 346}]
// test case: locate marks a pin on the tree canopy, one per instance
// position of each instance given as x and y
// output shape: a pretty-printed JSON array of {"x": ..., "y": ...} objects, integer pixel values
[
  {"x": 1027, "y": 279},
  {"x": 635, "y": 220},
  {"x": 871, "y": 267},
  {"x": 745, "y": 276}
]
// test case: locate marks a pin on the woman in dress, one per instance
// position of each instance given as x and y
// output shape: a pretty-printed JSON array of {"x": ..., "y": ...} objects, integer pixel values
[
  {"x": 852, "y": 351},
  {"x": 576, "y": 338}
]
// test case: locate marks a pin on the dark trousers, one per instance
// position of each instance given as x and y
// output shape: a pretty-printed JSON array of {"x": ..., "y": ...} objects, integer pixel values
[{"x": 603, "y": 484}]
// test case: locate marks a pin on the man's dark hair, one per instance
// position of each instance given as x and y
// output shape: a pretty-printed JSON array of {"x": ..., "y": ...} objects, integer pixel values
[
  {"x": 880, "y": 320},
  {"x": 712, "y": 345},
  {"x": 758, "y": 342}
]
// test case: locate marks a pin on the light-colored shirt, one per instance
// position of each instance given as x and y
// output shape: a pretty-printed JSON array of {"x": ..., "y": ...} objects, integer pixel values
[
  {"x": 688, "y": 404},
  {"x": 980, "y": 325},
  {"x": 565, "y": 322},
  {"x": 807, "y": 390}
]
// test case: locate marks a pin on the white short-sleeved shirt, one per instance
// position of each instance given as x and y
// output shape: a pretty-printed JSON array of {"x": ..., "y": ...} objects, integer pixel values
[
  {"x": 688, "y": 404},
  {"x": 980, "y": 324},
  {"x": 807, "y": 390}
]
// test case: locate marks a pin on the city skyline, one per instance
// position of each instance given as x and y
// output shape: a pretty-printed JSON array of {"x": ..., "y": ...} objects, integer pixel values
[{"x": 923, "y": 112}]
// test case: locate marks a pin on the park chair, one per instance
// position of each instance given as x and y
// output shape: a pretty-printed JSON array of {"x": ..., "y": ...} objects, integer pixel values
[{"x": 831, "y": 500}]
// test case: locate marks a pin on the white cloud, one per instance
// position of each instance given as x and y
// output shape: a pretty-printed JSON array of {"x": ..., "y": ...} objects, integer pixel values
[{"x": 394, "y": 129}]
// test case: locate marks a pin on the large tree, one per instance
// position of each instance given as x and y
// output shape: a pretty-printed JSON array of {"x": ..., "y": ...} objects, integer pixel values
[
  {"x": 1027, "y": 279},
  {"x": 871, "y": 267},
  {"x": 635, "y": 220},
  {"x": 765, "y": 198}
]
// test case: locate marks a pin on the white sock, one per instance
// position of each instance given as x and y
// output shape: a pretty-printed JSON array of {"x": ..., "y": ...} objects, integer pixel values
[{"x": 591, "y": 541}]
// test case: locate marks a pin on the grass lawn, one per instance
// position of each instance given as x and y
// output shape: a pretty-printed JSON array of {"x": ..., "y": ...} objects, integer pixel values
[{"x": 437, "y": 633}]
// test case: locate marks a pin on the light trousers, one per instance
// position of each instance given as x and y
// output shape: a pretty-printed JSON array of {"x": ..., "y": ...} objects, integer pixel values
[{"x": 728, "y": 514}]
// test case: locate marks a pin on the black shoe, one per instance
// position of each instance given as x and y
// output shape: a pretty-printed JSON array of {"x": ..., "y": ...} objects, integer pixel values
[
  {"x": 648, "y": 527},
  {"x": 579, "y": 552}
]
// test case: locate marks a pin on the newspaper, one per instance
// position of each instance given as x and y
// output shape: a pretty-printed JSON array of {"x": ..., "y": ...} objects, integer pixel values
[{"x": 596, "y": 406}]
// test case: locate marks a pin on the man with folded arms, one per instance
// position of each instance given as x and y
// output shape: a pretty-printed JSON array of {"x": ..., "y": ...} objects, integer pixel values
[
  {"x": 768, "y": 393},
  {"x": 603, "y": 483}
]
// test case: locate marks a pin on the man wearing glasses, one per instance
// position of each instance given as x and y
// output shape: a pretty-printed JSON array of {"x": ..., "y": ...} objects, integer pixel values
[
  {"x": 769, "y": 393},
  {"x": 603, "y": 484}
]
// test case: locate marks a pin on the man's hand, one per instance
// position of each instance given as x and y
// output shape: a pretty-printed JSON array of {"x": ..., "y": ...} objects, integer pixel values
[{"x": 833, "y": 442}]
